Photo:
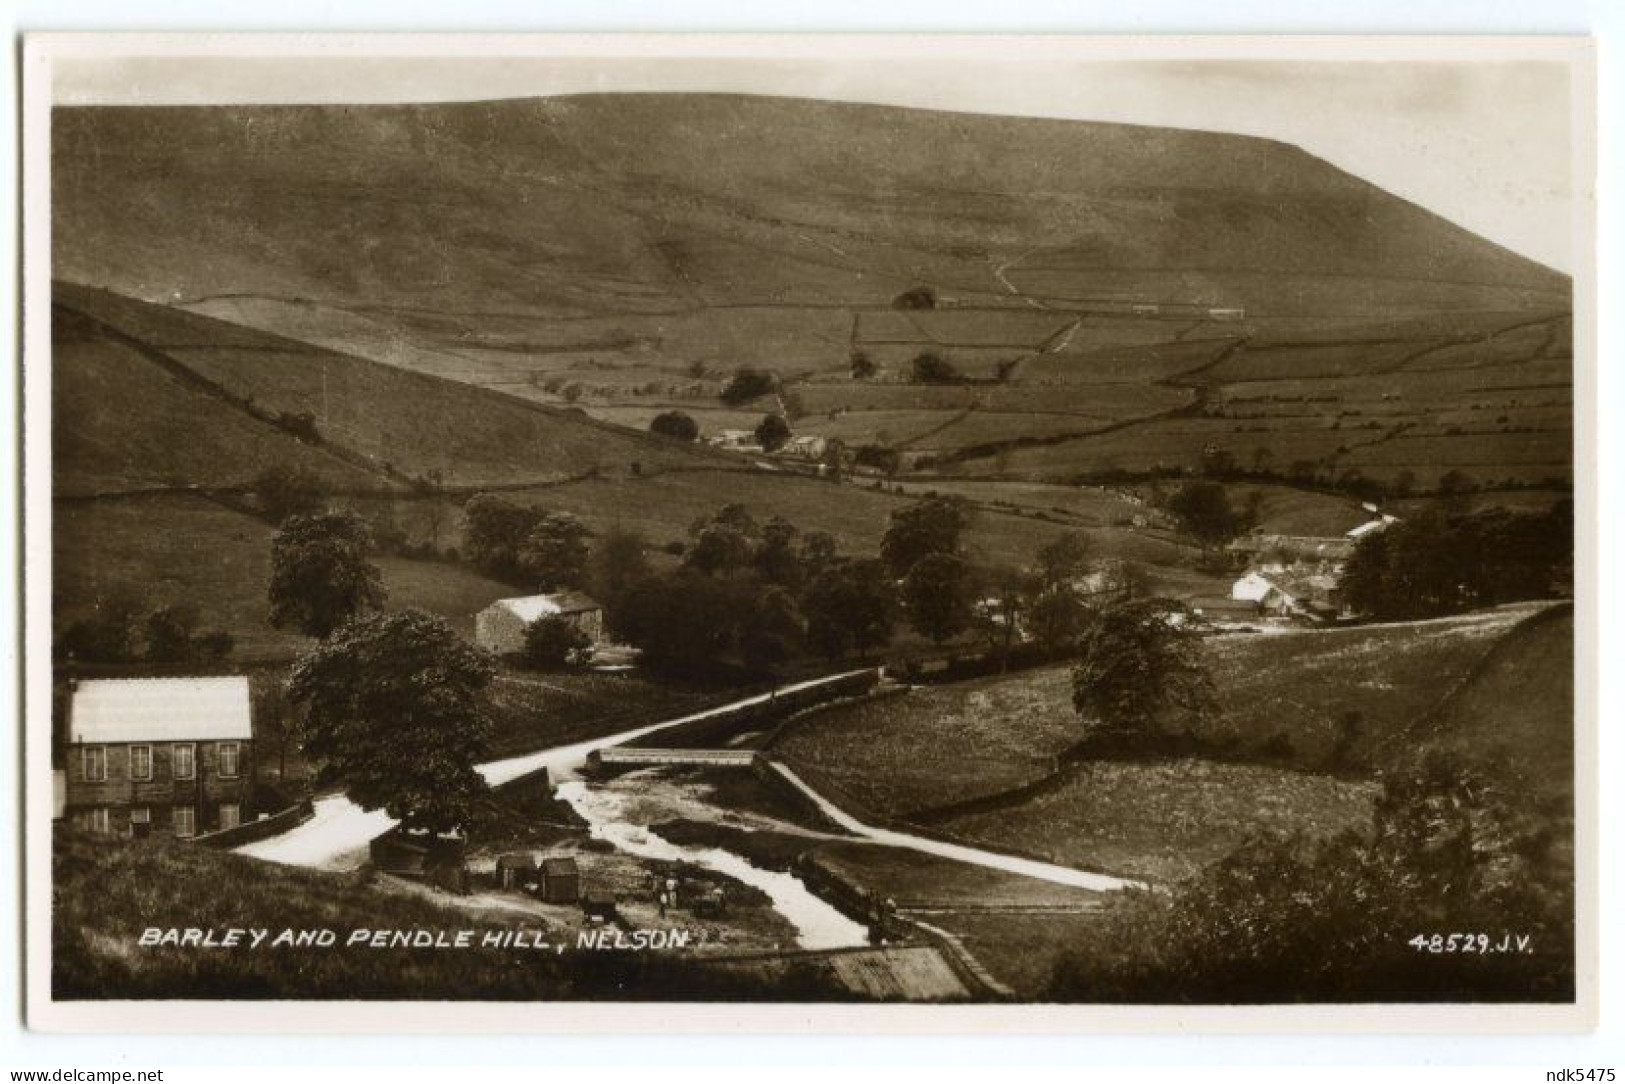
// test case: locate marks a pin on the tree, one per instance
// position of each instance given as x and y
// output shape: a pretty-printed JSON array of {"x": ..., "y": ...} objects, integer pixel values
[
  {"x": 747, "y": 384},
  {"x": 169, "y": 633},
  {"x": 938, "y": 593},
  {"x": 395, "y": 710},
  {"x": 771, "y": 630},
  {"x": 494, "y": 532},
  {"x": 552, "y": 642},
  {"x": 1134, "y": 668},
  {"x": 619, "y": 563},
  {"x": 1002, "y": 611},
  {"x": 1063, "y": 558},
  {"x": 850, "y": 605},
  {"x": 929, "y": 368},
  {"x": 863, "y": 366},
  {"x": 725, "y": 543},
  {"x": 320, "y": 575},
  {"x": 284, "y": 491},
  {"x": 1204, "y": 512},
  {"x": 934, "y": 525},
  {"x": 554, "y": 553},
  {"x": 680, "y": 620},
  {"x": 916, "y": 297},
  {"x": 675, "y": 424},
  {"x": 777, "y": 558},
  {"x": 108, "y": 634},
  {"x": 772, "y": 432},
  {"x": 1057, "y": 615},
  {"x": 876, "y": 456}
]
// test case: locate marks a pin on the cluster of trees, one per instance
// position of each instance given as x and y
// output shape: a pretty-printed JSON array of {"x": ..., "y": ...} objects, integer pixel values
[
  {"x": 524, "y": 544},
  {"x": 123, "y": 630},
  {"x": 1436, "y": 563},
  {"x": 1452, "y": 851},
  {"x": 751, "y": 593}
]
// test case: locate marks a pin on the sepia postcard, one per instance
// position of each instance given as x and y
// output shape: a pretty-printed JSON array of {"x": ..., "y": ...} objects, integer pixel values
[{"x": 811, "y": 533}]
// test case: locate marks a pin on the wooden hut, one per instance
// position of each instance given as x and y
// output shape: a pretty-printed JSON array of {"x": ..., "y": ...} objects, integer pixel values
[{"x": 560, "y": 880}]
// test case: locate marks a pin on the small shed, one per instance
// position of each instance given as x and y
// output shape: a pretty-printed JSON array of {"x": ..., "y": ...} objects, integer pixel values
[
  {"x": 516, "y": 870},
  {"x": 560, "y": 880},
  {"x": 500, "y": 627}
]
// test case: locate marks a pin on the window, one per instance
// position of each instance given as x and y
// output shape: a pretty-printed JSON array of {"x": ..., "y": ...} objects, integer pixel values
[
  {"x": 141, "y": 762},
  {"x": 231, "y": 815},
  {"x": 228, "y": 759},
  {"x": 99, "y": 820},
  {"x": 185, "y": 820},
  {"x": 95, "y": 765},
  {"x": 185, "y": 762},
  {"x": 140, "y": 821}
]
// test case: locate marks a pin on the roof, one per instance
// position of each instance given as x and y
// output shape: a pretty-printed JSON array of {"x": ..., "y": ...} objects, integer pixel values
[
  {"x": 160, "y": 709},
  {"x": 516, "y": 861},
  {"x": 559, "y": 867},
  {"x": 530, "y": 608}
]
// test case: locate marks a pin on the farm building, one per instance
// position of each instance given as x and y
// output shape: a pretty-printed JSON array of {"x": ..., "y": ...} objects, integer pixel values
[
  {"x": 735, "y": 440},
  {"x": 500, "y": 627},
  {"x": 560, "y": 880},
  {"x": 1287, "y": 594},
  {"x": 158, "y": 755},
  {"x": 1372, "y": 526},
  {"x": 810, "y": 448},
  {"x": 1219, "y": 610}
]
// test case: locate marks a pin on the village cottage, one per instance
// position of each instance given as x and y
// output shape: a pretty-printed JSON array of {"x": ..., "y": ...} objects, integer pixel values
[
  {"x": 500, "y": 627},
  {"x": 158, "y": 755}
]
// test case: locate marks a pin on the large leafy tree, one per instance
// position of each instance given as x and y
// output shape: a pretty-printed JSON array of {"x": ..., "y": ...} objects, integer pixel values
[
  {"x": 675, "y": 424},
  {"x": 1135, "y": 667},
  {"x": 850, "y": 605},
  {"x": 682, "y": 619},
  {"x": 939, "y": 595},
  {"x": 1204, "y": 512},
  {"x": 494, "y": 533},
  {"x": 320, "y": 574},
  {"x": 554, "y": 553},
  {"x": 771, "y": 629},
  {"x": 772, "y": 432},
  {"x": 934, "y": 525},
  {"x": 395, "y": 711}
]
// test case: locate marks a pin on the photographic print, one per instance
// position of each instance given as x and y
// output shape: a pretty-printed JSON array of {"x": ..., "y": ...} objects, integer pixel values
[{"x": 1039, "y": 524}]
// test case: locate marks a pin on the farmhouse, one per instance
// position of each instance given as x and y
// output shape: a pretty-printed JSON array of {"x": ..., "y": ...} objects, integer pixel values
[
  {"x": 810, "y": 448},
  {"x": 1286, "y": 594},
  {"x": 158, "y": 755},
  {"x": 500, "y": 627}
]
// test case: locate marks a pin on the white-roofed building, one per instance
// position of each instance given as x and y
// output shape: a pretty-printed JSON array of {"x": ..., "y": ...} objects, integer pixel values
[
  {"x": 166, "y": 755},
  {"x": 500, "y": 627}
]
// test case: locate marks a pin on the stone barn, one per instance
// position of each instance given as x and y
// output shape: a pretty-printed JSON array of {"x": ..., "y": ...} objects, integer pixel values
[{"x": 500, "y": 627}]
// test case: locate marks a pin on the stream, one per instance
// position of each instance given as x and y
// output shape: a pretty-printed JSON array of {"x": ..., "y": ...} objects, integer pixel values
[{"x": 338, "y": 835}]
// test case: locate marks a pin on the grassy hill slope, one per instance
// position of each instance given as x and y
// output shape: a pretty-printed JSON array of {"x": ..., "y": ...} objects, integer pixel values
[
  {"x": 209, "y": 383},
  {"x": 625, "y": 252}
]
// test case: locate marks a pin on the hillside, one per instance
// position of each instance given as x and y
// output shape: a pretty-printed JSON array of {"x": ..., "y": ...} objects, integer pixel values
[
  {"x": 149, "y": 395},
  {"x": 625, "y": 252}
]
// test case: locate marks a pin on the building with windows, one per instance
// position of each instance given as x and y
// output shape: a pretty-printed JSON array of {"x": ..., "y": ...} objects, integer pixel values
[{"x": 158, "y": 755}]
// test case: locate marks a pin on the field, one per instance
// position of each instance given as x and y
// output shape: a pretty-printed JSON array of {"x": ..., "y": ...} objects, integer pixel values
[
  {"x": 535, "y": 711},
  {"x": 1283, "y": 699},
  {"x": 1165, "y": 820},
  {"x": 185, "y": 549}
]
